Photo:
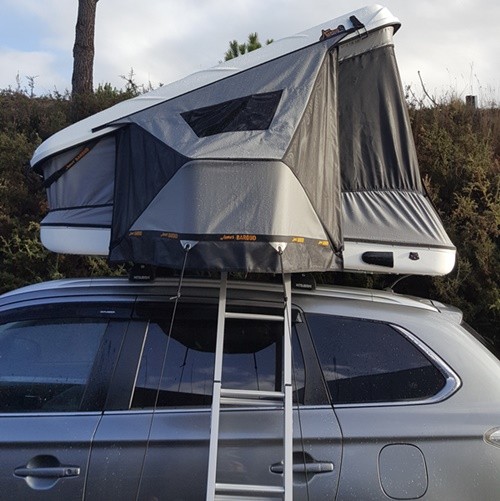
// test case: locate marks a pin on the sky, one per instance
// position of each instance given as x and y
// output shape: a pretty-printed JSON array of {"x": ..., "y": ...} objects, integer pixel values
[{"x": 454, "y": 44}]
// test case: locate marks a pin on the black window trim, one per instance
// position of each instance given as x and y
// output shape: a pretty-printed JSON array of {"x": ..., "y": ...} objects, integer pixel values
[{"x": 121, "y": 387}]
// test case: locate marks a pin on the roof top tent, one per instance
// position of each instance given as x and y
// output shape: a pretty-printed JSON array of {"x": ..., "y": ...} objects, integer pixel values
[{"x": 304, "y": 144}]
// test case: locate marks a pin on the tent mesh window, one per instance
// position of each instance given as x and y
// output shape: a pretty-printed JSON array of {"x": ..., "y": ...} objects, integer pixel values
[{"x": 254, "y": 112}]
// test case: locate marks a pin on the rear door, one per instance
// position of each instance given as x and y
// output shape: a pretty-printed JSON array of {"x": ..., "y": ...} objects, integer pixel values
[
  {"x": 55, "y": 362},
  {"x": 157, "y": 443},
  {"x": 403, "y": 436}
]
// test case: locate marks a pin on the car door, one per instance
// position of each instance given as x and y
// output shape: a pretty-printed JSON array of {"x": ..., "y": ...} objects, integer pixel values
[
  {"x": 55, "y": 361},
  {"x": 156, "y": 446},
  {"x": 390, "y": 393}
]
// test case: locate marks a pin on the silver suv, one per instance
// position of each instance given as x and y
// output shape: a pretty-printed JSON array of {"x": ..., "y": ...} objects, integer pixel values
[{"x": 393, "y": 397}]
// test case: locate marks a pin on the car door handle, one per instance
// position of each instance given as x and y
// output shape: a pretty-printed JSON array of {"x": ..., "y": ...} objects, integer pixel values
[
  {"x": 50, "y": 472},
  {"x": 309, "y": 468}
]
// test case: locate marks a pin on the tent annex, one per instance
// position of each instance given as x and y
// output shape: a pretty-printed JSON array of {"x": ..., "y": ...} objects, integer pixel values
[{"x": 303, "y": 145}]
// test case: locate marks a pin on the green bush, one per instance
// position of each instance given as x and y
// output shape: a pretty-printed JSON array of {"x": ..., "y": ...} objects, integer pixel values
[{"x": 458, "y": 149}]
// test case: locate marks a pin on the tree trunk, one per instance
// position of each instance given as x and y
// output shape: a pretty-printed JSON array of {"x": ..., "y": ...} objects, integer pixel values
[{"x": 83, "y": 50}]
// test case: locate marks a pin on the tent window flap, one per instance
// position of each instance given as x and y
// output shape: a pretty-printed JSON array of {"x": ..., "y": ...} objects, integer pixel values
[{"x": 254, "y": 112}]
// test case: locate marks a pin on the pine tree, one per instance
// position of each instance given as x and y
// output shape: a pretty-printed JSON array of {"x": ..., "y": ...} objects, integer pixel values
[
  {"x": 236, "y": 49},
  {"x": 83, "y": 50}
]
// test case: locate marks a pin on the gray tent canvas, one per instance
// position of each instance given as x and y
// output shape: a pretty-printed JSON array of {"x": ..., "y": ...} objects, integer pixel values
[{"x": 303, "y": 146}]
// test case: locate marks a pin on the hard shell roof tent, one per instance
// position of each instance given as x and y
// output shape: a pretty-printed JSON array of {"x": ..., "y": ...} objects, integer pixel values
[{"x": 304, "y": 144}]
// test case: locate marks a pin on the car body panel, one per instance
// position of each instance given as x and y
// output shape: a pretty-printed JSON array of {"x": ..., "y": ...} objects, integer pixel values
[
  {"x": 428, "y": 449},
  {"x": 450, "y": 441},
  {"x": 174, "y": 453},
  {"x": 45, "y": 441}
]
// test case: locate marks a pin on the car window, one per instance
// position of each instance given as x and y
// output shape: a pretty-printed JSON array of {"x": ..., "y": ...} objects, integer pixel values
[
  {"x": 252, "y": 359},
  {"x": 365, "y": 361},
  {"x": 45, "y": 363}
]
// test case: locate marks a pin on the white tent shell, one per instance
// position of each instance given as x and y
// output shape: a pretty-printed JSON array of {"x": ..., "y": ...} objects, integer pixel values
[{"x": 303, "y": 143}]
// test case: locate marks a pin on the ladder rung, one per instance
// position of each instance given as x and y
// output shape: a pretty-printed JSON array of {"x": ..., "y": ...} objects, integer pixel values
[
  {"x": 248, "y": 489},
  {"x": 256, "y": 394},
  {"x": 254, "y": 316},
  {"x": 241, "y": 497},
  {"x": 252, "y": 397},
  {"x": 250, "y": 402}
]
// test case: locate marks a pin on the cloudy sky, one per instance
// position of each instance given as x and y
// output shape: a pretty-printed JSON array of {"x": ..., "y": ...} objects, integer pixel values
[{"x": 455, "y": 44}]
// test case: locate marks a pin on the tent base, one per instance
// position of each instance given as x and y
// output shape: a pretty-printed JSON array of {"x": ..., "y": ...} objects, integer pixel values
[
  {"x": 400, "y": 259},
  {"x": 87, "y": 241},
  {"x": 357, "y": 256}
]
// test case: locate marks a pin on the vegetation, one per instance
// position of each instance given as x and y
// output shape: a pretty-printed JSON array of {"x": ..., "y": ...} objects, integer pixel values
[
  {"x": 459, "y": 154},
  {"x": 237, "y": 49}
]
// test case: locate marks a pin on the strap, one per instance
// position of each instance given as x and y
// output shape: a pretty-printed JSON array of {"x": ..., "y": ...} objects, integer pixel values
[
  {"x": 58, "y": 173},
  {"x": 175, "y": 298}
]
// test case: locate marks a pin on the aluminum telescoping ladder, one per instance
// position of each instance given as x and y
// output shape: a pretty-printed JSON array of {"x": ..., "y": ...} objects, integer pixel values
[{"x": 222, "y": 491}]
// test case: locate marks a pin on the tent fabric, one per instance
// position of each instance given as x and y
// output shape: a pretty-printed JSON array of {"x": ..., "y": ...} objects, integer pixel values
[
  {"x": 303, "y": 145},
  {"x": 376, "y": 140},
  {"x": 88, "y": 183},
  {"x": 87, "y": 216},
  {"x": 144, "y": 165},
  {"x": 222, "y": 209},
  {"x": 392, "y": 217},
  {"x": 315, "y": 147},
  {"x": 383, "y": 199},
  {"x": 292, "y": 76},
  {"x": 222, "y": 196},
  {"x": 256, "y": 256},
  {"x": 221, "y": 199}
]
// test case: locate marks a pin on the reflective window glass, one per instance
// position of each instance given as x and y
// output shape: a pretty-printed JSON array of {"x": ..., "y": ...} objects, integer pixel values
[
  {"x": 45, "y": 363},
  {"x": 185, "y": 360},
  {"x": 365, "y": 361}
]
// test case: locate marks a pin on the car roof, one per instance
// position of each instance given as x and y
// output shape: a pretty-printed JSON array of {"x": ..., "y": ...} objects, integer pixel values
[{"x": 121, "y": 287}]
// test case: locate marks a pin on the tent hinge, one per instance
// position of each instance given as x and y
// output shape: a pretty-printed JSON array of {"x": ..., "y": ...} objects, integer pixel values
[{"x": 359, "y": 27}]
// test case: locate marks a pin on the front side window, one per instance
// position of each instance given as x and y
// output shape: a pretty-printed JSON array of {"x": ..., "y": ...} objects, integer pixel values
[
  {"x": 365, "y": 361},
  {"x": 45, "y": 363},
  {"x": 178, "y": 370}
]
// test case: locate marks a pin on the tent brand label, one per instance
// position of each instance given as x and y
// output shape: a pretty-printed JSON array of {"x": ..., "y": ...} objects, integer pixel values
[
  {"x": 323, "y": 243},
  {"x": 173, "y": 236},
  {"x": 298, "y": 240},
  {"x": 240, "y": 238},
  {"x": 135, "y": 234},
  {"x": 247, "y": 238}
]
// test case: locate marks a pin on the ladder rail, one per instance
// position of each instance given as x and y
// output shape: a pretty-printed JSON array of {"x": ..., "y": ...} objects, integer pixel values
[
  {"x": 287, "y": 386},
  {"x": 283, "y": 399},
  {"x": 216, "y": 394}
]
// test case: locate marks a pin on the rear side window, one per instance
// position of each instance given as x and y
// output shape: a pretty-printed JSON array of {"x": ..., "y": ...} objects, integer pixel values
[
  {"x": 178, "y": 371},
  {"x": 367, "y": 362},
  {"x": 45, "y": 364}
]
